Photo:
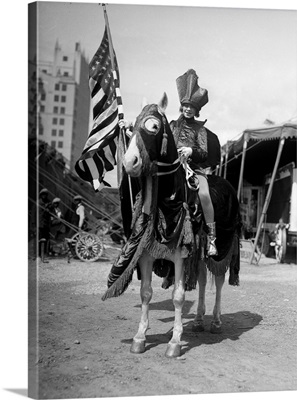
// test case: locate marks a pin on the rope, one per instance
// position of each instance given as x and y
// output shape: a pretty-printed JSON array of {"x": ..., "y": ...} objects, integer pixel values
[
  {"x": 69, "y": 193},
  {"x": 68, "y": 224}
]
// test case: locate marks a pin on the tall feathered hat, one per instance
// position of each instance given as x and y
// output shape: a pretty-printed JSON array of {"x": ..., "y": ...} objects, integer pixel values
[{"x": 189, "y": 91}]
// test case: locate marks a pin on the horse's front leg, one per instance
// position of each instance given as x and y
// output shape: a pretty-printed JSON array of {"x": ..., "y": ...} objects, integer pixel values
[
  {"x": 216, "y": 323},
  {"x": 198, "y": 325},
  {"x": 146, "y": 293},
  {"x": 178, "y": 297}
]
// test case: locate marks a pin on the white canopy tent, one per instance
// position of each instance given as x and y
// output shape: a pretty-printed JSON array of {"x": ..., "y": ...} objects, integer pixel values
[{"x": 280, "y": 133}]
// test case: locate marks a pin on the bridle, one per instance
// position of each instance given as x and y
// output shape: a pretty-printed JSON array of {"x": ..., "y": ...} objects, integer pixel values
[{"x": 166, "y": 168}]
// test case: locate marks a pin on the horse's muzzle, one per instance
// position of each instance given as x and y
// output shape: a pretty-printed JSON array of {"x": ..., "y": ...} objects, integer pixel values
[{"x": 132, "y": 165}]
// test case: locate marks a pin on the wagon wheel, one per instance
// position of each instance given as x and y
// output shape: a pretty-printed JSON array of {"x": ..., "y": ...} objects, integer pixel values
[
  {"x": 281, "y": 246},
  {"x": 264, "y": 243},
  {"x": 72, "y": 243},
  {"x": 88, "y": 247}
]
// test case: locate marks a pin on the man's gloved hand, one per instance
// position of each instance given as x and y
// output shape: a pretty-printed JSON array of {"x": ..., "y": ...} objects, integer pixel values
[{"x": 123, "y": 123}]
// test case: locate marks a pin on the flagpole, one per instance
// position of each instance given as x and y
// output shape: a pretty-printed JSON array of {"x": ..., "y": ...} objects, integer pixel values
[{"x": 122, "y": 129}]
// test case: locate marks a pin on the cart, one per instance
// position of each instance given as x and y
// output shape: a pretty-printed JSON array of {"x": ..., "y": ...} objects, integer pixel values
[{"x": 86, "y": 246}]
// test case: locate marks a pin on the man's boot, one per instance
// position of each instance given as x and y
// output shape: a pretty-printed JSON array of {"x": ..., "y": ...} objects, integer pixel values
[{"x": 211, "y": 237}]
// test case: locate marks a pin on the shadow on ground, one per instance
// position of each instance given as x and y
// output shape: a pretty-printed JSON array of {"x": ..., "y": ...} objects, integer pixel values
[{"x": 233, "y": 325}]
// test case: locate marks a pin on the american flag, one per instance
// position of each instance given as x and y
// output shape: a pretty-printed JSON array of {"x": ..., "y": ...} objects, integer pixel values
[{"x": 99, "y": 153}]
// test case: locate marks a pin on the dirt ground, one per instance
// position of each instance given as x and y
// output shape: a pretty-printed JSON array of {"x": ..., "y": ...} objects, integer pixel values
[{"x": 83, "y": 343}]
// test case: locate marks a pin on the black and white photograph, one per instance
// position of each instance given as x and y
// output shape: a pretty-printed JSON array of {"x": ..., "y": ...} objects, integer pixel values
[{"x": 160, "y": 218}]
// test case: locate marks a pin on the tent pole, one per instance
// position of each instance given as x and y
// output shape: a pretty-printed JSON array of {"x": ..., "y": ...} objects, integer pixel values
[
  {"x": 221, "y": 165},
  {"x": 242, "y": 166},
  {"x": 268, "y": 196},
  {"x": 226, "y": 159}
]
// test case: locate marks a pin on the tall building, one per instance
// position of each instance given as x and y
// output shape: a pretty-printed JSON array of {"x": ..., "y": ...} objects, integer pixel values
[{"x": 65, "y": 103}]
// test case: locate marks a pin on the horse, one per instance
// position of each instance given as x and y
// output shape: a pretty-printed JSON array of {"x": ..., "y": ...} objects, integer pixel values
[{"x": 168, "y": 230}]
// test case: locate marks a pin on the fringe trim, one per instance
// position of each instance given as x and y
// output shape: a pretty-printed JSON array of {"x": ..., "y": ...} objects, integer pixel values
[
  {"x": 159, "y": 250},
  {"x": 218, "y": 268},
  {"x": 122, "y": 283}
]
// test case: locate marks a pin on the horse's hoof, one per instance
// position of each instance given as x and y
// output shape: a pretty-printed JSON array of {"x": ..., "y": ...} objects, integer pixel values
[
  {"x": 215, "y": 328},
  {"x": 137, "y": 346},
  {"x": 198, "y": 327},
  {"x": 173, "y": 350}
]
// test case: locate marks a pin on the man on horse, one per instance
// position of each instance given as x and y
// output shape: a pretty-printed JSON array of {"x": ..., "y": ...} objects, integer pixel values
[{"x": 198, "y": 147}]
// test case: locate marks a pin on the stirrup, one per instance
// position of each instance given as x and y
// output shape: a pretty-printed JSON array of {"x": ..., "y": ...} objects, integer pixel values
[
  {"x": 211, "y": 248},
  {"x": 211, "y": 237}
]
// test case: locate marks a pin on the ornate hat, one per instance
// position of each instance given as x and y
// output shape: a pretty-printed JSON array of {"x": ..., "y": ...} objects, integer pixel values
[
  {"x": 78, "y": 197},
  {"x": 56, "y": 200},
  {"x": 189, "y": 91}
]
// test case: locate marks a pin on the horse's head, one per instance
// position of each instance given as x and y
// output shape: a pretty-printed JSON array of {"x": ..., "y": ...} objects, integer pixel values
[{"x": 152, "y": 141}]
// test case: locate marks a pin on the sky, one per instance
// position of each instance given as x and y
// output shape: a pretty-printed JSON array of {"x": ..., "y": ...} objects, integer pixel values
[{"x": 245, "y": 58}]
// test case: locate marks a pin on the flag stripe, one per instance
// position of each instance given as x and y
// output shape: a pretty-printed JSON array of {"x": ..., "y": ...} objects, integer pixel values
[
  {"x": 96, "y": 98},
  {"x": 102, "y": 123},
  {"x": 105, "y": 114},
  {"x": 83, "y": 171},
  {"x": 94, "y": 168},
  {"x": 107, "y": 159},
  {"x": 97, "y": 138},
  {"x": 99, "y": 106}
]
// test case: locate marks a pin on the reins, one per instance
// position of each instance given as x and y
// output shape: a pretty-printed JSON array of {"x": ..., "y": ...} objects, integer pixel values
[{"x": 168, "y": 168}]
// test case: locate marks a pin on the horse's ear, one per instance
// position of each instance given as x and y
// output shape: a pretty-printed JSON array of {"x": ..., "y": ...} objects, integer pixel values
[
  {"x": 163, "y": 102},
  {"x": 144, "y": 102}
]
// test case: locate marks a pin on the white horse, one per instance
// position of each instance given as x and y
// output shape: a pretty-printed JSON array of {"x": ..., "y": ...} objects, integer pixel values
[{"x": 152, "y": 157}]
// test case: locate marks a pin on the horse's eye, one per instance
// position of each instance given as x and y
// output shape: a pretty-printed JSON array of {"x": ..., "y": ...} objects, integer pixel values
[{"x": 152, "y": 125}]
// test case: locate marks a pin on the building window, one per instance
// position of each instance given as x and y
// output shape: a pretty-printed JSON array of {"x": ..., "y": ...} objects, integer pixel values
[
  {"x": 57, "y": 86},
  {"x": 65, "y": 58},
  {"x": 62, "y": 121},
  {"x": 43, "y": 96},
  {"x": 53, "y": 143},
  {"x": 40, "y": 130},
  {"x": 55, "y": 121},
  {"x": 42, "y": 108},
  {"x": 61, "y": 132},
  {"x": 56, "y": 98},
  {"x": 64, "y": 87},
  {"x": 56, "y": 110},
  {"x": 63, "y": 99},
  {"x": 66, "y": 73},
  {"x": 54, "y": 132},
  {"x": 60, "y": 145},
  {"x": 45, "y": 71},
  {"x": 62, "y": 110}
]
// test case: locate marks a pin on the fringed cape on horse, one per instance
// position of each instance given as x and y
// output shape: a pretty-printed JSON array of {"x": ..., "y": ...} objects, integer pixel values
[{"x": 167, "y": 232}]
